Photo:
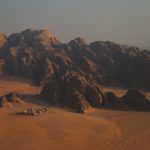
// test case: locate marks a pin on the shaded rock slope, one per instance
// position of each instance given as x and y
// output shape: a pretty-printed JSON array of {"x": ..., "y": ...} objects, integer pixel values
[
  {"x": 75, "y": 91},
  {"x": 72, "y": 73},
  {"x": 9, "y": 98},
  {"x": 40, "y": 56}
]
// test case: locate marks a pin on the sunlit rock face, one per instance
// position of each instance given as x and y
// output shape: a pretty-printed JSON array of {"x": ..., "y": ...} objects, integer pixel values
[
  {"x": 38, "y": 39},
  {"x": 3, "y": 39}
]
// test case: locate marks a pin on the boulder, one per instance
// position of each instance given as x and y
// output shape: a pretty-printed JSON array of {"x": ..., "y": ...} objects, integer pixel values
[
  {"x": 112, "y": 101},
  {"x": 134, "y": 99},
  {"x": 9, "y": 98},
  {"x": 3, "y": 101},
  {"x": 74, "y": 99}
]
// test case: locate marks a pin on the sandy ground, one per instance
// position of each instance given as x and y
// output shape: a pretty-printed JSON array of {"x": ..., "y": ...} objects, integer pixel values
[{"x": 62, "y": 129}]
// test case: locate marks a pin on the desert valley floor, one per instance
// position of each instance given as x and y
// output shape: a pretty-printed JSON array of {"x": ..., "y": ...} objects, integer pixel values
[{"x": 62, "y": 129}]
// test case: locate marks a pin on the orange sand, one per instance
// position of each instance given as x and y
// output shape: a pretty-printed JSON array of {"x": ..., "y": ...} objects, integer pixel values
[{"x": 61, "y": 129}]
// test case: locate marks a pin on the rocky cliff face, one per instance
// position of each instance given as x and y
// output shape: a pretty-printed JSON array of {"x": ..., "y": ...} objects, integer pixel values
[
  {"x": 72, "y": 73},
  {"x": 38, "y": 55},
  {"x": 73, "y": 90}
]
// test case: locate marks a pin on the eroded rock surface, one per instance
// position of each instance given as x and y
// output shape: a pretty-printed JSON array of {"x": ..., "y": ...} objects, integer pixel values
[
  {"x": 73, "y": 91},
  {"x": 9, "y": 98},
  {"x": 72, "y": 73},
  {"x": 135, "y": 99},
  {"x": 38, "y": 55}
]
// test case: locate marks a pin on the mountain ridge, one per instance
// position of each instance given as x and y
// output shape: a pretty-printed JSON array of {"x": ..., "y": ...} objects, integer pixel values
[{"x": 40, "y": 56}]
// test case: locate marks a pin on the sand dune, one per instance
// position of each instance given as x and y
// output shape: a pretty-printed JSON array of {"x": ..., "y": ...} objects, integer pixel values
[
  {"x": 59, "y": 128},
  {"x": 134, "y": 127}
]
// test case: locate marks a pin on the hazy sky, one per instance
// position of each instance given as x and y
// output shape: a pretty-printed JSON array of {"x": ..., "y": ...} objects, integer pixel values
[{"x": 122, "y": 21}]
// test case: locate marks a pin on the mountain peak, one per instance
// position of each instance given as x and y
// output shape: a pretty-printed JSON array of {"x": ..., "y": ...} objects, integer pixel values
[
  {"x": 38, "y": 39},
  {"x": 81, "y": 40},
  {"x": 2, "y": 39},
  {"x": 43, "y": 36}
]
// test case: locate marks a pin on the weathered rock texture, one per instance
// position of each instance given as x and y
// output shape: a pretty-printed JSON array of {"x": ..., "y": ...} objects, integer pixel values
[
  {"x": 74, "y": 91},
  {"x": 132, "y": 100},
  {"x": 38, "y": 55},
  {"x": 135, "y": 99},
  {"x": 112, "y": 101},
  {"x": 9, "y": 98},
  {"x": 72, "y": 73}
]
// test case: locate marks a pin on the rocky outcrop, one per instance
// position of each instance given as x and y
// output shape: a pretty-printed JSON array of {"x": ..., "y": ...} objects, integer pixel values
[
  {"x": 132, "y": 100},
  {"x": 112, "y": 101},
  {"x": 9, "y": 98},
  {"x": 38, "y": 55},
  {"x": 94, "y": 95},
  {"x": 73, "y": 90},
  {"x": 51, "y": 92},
  {"x": 135, "y": 99},
  {"x": 78, "y": 93},
  {"x": 74, "y": 99},
  {"x": 40, "y": 39},
  {"x": 3, "y": 39}
]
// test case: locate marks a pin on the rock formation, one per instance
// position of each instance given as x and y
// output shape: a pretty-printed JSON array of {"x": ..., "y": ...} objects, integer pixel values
[
  {"x": 72, "y": 73},
  {"x": 73, "y": 91},
  {"x": 135, "y": 99},
  {"x": 9, "y": 98},
  {"x": 38, "y": 55},
  {"x": 112, "y": 101},
  {"x": 132, "y": 100},
  {"x": 3, "y": 39}
]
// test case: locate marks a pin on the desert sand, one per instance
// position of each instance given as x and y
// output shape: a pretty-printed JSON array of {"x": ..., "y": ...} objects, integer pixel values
[{"x": 63, "y": 129}]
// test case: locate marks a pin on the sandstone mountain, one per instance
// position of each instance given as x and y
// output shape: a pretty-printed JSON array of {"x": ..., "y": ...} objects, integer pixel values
[
  {"x": 40, "y": 56},
  {"x": 73, "y": 73}
]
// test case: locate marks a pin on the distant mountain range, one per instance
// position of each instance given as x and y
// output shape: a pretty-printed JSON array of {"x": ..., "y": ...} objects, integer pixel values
[{"x": 38, "y": 55}]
